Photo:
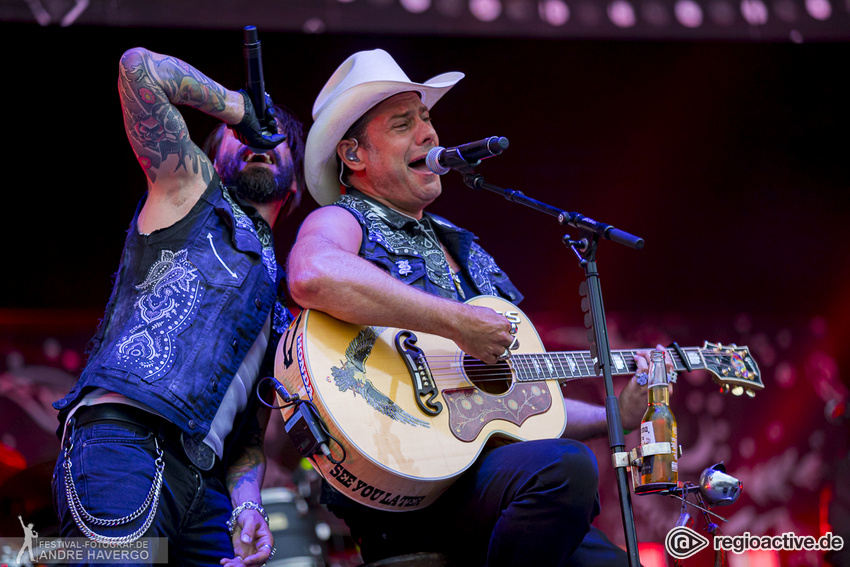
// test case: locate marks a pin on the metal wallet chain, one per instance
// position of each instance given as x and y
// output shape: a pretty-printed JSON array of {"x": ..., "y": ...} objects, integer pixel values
[{"x": 79, "y": 512}]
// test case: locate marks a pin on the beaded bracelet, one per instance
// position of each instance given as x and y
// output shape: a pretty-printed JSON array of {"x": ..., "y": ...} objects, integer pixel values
[{"x": 247, "y": 505}]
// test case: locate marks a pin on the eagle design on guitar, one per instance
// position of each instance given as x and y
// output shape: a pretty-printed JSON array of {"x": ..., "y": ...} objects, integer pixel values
[
  {"x": 351, "y": 375},
  {"x": 412, "y": 411}
]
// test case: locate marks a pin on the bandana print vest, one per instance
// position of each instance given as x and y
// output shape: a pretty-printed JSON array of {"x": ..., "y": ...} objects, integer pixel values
[
  {"x": 187, "y": 304},
  {"x": 409, "y": 250}
]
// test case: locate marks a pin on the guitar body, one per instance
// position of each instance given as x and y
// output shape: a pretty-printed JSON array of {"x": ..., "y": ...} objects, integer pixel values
[{"x": 401, "y": 453}]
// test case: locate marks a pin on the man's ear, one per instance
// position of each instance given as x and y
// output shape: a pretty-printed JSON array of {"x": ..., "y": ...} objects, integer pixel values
[{"x": 348, "y": 151}]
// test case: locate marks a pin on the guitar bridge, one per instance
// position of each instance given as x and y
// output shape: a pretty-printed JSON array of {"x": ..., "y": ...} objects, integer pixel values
[{"x": 425, "y": 389}]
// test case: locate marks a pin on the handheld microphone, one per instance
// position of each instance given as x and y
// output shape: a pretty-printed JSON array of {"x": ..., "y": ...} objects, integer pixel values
[
  {"x": 255, "y": 85},
  {"x": 440, "y": 160}
]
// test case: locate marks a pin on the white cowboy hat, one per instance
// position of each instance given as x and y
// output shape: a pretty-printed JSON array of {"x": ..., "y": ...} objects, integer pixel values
[{"x": 362, "y": 81}]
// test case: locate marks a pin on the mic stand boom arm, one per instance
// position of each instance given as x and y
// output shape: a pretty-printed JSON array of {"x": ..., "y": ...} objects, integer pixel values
[
  {"x": 585, "y": 249},
  {"x": 578, "y": 220}
]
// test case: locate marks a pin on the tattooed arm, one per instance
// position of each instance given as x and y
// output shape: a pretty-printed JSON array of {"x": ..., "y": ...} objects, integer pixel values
[
  {"x": 252, "y": 540},
  {"x": 150, "y": 86}
]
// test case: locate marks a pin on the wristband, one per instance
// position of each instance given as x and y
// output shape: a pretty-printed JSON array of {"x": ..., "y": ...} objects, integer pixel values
[{"x": 247, "y": 505}]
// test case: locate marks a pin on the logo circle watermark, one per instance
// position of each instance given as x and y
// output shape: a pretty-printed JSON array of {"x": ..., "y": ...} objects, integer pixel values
[{"x": 683, "y": 542}]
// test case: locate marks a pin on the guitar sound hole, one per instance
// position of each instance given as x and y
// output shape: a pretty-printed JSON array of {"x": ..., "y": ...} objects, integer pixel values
[{"x": 494, "y": 379}]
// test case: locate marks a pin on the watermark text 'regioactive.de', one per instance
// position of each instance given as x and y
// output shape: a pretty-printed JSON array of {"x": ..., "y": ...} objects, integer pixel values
[
  {"x": 789, "y": 541},
  {"x": 683, "y": 542}
]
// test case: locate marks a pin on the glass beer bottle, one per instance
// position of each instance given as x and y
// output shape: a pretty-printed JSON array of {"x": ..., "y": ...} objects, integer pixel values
[{"x": 658, "y": 472}]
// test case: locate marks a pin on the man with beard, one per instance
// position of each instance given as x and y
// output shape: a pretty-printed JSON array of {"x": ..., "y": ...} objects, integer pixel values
[{"x": 162, "y": 434}]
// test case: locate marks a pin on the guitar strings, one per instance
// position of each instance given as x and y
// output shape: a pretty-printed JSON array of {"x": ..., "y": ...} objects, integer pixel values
[
  {"x": 523, "y": 362},
  {"x": 585, "y": 358}
]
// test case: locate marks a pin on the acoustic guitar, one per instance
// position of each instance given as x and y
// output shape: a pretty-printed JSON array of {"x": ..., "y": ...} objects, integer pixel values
[{"x": 409, "y": 412}]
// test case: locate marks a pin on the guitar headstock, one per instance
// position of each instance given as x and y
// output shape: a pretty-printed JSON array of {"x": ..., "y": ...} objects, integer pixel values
[{"x": 733, "y": 368}]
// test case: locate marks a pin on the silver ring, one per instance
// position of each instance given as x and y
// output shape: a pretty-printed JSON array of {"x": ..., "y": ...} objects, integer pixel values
[
  {"x": 513, "y": 328},
  {"x": 641, "y": 378},
  {"x": 266, "y": 545},
  {"x": 505, "y": 355},
  {"x": 672, "y": 377}
]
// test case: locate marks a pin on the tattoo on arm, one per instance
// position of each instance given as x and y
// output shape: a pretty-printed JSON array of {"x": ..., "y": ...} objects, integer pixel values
[
  {"x": 149, "y": 89},
  {"x": 246, "y": 469}
]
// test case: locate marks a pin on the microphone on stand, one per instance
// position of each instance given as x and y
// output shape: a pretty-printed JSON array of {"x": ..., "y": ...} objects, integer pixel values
[
  {"x": 441, "y": 160},
  {"x": 254, "y": 84}
]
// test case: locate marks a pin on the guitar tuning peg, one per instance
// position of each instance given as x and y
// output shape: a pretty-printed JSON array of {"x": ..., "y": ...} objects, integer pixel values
[
  {"x": 750, "y": 393},
  {"x": 724, "y": 389},
  {"x": 737, "y": 391}
]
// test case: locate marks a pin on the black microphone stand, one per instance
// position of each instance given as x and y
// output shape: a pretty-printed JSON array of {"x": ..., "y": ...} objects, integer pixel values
[{"x": 585, "y": 249}]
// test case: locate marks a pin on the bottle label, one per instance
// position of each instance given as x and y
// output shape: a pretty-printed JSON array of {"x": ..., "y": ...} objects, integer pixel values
[
  {"x": 647, "y": 433},
  {"x": 674, "y": 466}
]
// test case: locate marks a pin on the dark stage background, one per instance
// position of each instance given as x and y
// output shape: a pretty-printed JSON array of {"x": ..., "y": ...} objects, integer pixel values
[{"x": 730, "y": 159}]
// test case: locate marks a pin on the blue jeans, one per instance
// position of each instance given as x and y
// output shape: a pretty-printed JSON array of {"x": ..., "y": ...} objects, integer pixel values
[
  {"x": 521, "y": 504},
  {"x": 113, "y": 470}
]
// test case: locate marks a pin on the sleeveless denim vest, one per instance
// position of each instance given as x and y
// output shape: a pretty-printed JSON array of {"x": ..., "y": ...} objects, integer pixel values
[
  {"x": 187, "y": 303},
  {"x": 409, "y": 250}
]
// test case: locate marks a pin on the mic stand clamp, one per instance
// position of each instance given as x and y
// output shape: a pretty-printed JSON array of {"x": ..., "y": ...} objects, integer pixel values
[{"x": 585, "y": 249}]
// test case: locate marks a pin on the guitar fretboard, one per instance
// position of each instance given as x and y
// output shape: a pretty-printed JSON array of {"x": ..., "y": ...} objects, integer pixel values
[{"x": 581, "y": 364}]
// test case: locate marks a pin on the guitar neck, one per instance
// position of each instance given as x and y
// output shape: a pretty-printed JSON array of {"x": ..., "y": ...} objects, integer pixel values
[{"x": 582, "y": 364}]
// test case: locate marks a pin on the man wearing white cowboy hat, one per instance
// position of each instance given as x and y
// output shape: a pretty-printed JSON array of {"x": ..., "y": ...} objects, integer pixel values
[{"x": 376, "y": 258}]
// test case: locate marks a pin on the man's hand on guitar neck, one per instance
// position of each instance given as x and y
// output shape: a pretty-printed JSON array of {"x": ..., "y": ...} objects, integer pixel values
[
  {"x": 633, "y": 396},
  {"x": 586, "y": 421}
]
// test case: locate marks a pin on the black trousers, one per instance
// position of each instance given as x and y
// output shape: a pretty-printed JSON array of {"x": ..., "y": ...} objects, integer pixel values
[
  {"x": 112, "y": 466},
  {"x": 522, "y": 504}
]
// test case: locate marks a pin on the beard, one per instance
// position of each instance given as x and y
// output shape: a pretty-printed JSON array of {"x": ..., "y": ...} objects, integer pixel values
[{"x": 257, "y": 184}]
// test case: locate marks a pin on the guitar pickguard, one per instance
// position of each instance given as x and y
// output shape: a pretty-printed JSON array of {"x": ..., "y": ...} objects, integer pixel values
[{"x": 471, "y": 409}]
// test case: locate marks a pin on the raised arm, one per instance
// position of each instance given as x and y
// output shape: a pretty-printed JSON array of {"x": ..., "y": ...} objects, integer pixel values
[
  {"x": 150, "y": 86},
  {"x": 326, "y": 273}
]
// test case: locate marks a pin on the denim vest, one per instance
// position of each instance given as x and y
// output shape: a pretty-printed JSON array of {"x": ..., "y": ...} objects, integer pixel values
[
  {"x": 409, "y": 250},
  {"x": 187, "y": 303}
]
